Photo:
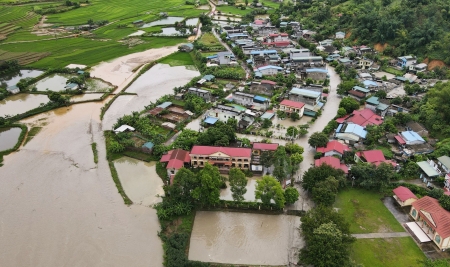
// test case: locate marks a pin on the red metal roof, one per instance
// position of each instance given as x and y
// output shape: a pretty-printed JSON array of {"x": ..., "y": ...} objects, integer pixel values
[
  {"x": 331, "y": 161},
  {"x": 400, "y": 140},
  {"x": 334, "y": 146},
  {"x": 176, "y": 158},
  {"x": 440, "y": 216},
  {"x": 230, "y": 151},
  {"x": 258, "y": 22},
  {"x": 268, "y": 82},
  {"x": 365, "y": 117},
  {"x": 372, "y": 156},
  {"x": 291, "y": 103},
  {"x": 284, "y": 34},
  {"x": 403, "y": 193},
  {"x": 265, "y": 146}
]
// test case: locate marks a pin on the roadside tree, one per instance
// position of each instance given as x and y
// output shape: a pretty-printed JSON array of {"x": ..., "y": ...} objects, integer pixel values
[
  {"x": 208, "y": 192},
  {"x": 349, "y": 104},
  {"x": 268, "y": 189},
  {"x": 291, "y": 195},
  {"x": 238, "y": 182},
  {"x": 318, "y": 139}
]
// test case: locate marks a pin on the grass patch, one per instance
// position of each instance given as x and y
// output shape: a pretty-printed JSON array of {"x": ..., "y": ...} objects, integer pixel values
[
  {"x": 234, "y": 10},
  {"x": 366, "y": 212},
  {"x": 387, "y": 152},
  {"x": 32, "y": 133},
  {"x": 178, "y": 59},
  {"x": 95, "y": 151},
  {"x": 178, "y": 102},
  {"x": 399, "y": 252},
  {"x": 393, "y": 71},
  {"x": 209, "y": 39}
]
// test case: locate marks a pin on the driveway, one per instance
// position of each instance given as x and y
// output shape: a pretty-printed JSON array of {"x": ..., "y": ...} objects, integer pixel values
[{"x": 401, "y": 214}]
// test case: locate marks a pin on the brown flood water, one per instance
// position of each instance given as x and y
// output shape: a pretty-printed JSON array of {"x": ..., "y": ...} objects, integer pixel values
[
  {"x": 21, "y": 103},
  {"x": 226, "y": 194},
  {"x": 140, "y": 180},
  {"x": 9, "y": 137},
  {"x": 242, "y": 238}
]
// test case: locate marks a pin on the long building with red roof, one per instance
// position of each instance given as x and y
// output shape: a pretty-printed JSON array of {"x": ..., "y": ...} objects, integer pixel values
[
  {"x": 290, "y": 106},
  {"x": 333, "y": 162},
  {"x": 362, "y": 117},
  {"x": 222, "y": 157},
  {"x": 433, "y": 219}
]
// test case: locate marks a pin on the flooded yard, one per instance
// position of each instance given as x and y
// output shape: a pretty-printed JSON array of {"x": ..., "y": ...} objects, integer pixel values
[
  {"x": 225, "y": 194},
  {"x": 149, "y": 87},
  {"x": 9, "y": 137},
  {"x": 140, "y": 181},
  {"x": 243, "y": 238},
  {"x": 96, "y": 85},
  {"x": 20, "y": 103}
]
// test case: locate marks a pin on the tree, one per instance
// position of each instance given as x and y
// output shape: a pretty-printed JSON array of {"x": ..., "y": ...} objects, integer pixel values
[
  {"x": 318, "y": 139},
  {"x": 57, "y": 98},
  {"x": 208, "y": 192},
  {"x": 266, "y": 123},
  {"x": 349, "y": 104},
  {"x": 295, "y": 116},
  {"x": 341, "y": 112},
  {"x": 292, "y": 131},
  {"x": 293, "y": 148},
  {"x": 324, "y": 192},
  {"x": 315, "y": 175},
  {"x": 184, "y": 183},
  {"x": 266, "y": 158},
  {"x": 291, "y": 195},
  {"x": 186, "y": 139},
  {"x": 381, "y": 94},
  {"x": 246, "y": 2},
  {"x": 281, "y": 163},
  {"x": 346, "y": 86},
  {"x": 328, "y": 247},
  {"x": 373, "y": 177},
  {"x": 296, "y": 159},
  {"x": 238, "y": 182},
  {"x": 268, "y": 189}
]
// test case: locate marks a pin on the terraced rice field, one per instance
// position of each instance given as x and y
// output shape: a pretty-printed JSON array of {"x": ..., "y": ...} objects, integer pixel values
[{"x": 24, "y": 58}]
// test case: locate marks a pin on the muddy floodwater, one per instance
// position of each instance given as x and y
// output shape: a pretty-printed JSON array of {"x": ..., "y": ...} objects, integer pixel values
[
  {"x": 242, "y": 238},
  {"x": 13, "y": 80},
  {"x": 225, "y": 194},
  {"x": 149, "y": 87},
  {"x": 85, "y": 97},
  {"x": 54, "y": 82},
  {"x": 192, "y": 22},
  {"x": 140, "y": 181},
  {"x": 96, "y": 85},
  {"x": 9, "y": 137},
  {"x": 20, "y": 103}
]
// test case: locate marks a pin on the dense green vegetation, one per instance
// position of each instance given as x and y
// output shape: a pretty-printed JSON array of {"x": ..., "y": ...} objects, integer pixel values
[
  {"x": 178, "y": 59},
  {"x": 419, "y": 27}
]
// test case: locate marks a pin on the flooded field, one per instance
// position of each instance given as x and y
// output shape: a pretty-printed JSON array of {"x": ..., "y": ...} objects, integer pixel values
[
  {"x": 225, "y": 194},
  {"x": 85, "y": 97},
  {"x": 192, "y": 22},
  {"x": 243, "y": 238},
  {"x": 13, "y": 80},
  {"x": 96, "y": 85},
  {"x": 164, "y": 21},
  {"x": 140, "y": 181},
  {"x": 20, "y": 103},
  {"x": 9, "y": 137},
  {"x": 59, "y": 208},
  {"x": 225, "y": 18},
  {"x": 170, "y": 31},
  {"x": 149, "y": 87},
  {"x": 54, "y": 82}
]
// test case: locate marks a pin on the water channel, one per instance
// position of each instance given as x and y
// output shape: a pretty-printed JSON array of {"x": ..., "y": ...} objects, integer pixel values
[{"x": 9, "y": 137}]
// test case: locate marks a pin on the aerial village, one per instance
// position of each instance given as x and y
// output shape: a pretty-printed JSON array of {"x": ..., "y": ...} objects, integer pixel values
[{"x": 282, "y": 139}]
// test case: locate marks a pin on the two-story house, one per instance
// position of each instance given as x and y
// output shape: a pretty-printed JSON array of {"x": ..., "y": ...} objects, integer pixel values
[
  {"x": 406, "y": 61},
  {"x": 205, "y": 94},
  {"x": 290, "y": 106},
  {"x": 222, "y": 157},
  {"x": 223, "y": 113},
  {"x": 309, "y": 97}
]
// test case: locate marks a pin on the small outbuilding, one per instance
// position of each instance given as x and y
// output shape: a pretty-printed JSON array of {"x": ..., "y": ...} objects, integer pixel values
[
  {"x": 124, "y": 128},
  {"x": 13, "y": 89},
  {"x": 404, "y": 196}
]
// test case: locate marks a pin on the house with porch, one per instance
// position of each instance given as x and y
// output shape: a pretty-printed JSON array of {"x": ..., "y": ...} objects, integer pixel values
[
  {"x": 222, "y": 157},
  {"x": 433, "y": 220},
  {"x": 290, "y": 106},
  {"x": 404, "y": 196},
  {"x": 333, "y": 148},
  {"x": 175, "y": 159}
]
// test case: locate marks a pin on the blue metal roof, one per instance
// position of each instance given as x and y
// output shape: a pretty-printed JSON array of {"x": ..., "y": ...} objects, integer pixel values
[
  {"x": 164, "y": 105},
  {"x": 257, "y": 52},
  {"x": 370, "y": 83},
  {"x": 316, "y": 70},
  {"x": 270, "y": 67},
  {"x": 339, "y": 128},
  {"x": 211, "y": 57},
  {"x": 411, "y": 136},
  {"x": 211, "y": 120},
  {"x": 305, "y": 92},
  {"x": 238, "y": 35},
  {"x": 260, "y": 98},
  {"x": 268, "y": 115},
  {"x": 356, "y": 129},
  {"x": 208, "y": 77},
  {"x": 258, "y": 74},
  {"x": 148, "y": 145}
]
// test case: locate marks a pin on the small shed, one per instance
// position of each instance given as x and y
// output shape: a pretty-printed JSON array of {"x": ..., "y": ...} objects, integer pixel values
[
  {"x": 13, "y": 89},
  {"x": 124, "y": 128},
  {"x": 148, "y": 147},
  {"x": 71, "y": 86},
  {"x": 210, "y": 120},
  {"x": 168, "y": 125}
]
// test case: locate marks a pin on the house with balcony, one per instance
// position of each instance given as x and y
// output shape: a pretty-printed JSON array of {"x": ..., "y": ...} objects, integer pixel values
[
  {"x": 223, "y": 113},
  {"x": 205, "y": 94},
  {"x": 404, "y": 196},
  {"x": 224, "y": 158},
  {"x": 365, "y": 63},
  {"x": 415, "y": 68},
  {"x": 406, "y": 61},
  {"x": 311, "y": 98},
  {"x": 429, "y": 170},
  {"x": 333, "y": 148},
  {"x": 444, "y": 164},
  {"x": 290, "y": 106},
  {"x": 432, "y": 220},
  {"x": 257, "y": 150}
]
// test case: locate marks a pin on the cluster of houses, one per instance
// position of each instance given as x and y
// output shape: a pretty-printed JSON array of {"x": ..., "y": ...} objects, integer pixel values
[
  {"x": 170, "y": 114},
  {"x": 431, "y": 220}
]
